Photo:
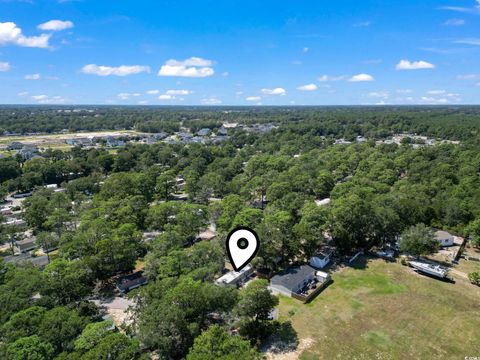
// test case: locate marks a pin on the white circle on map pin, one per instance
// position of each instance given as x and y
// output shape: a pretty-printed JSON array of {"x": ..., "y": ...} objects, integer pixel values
[{"x": 242, "y": 246}]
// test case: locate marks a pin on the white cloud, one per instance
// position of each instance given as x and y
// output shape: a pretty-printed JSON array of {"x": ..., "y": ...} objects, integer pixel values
[
  {"x": 10, "y": 34},
  {"x": 454, "y": 22},
  {"x": 414, "y": 65},
  {"x": 23, "y": 93},
  {"x": 193, "y": 67},
  {"x": 39, "y": 97},
  {"x": 305, "y": 49},
  {"x": 433, "y": 101},
  {"x": 143, "y": 102},
  {"x": 122, "y": 70},
  {"x": 253, "y": 98},
  {"x": 153, "y": 92},
  {"x": 166, "y": 97},
  {"x": 123, "y": 96},
  {"x": 308, "y": 87},
  {"x": 211, "y": 101},
  {"x": 468, "y": 77},
  {"x": 45, "y": 99},
  {"x": 32, "y": 77},
  {"x": 126, "y": 96},
  {"x": 436, "y": 92},
  {"x": 469, "y": 41},
  {"x": 178, "y": 92},
  {"x": 325, "y": 78},
  {"x": 404, "y": 91},
  {"x": 275, "y": 91},
  {"x": 4, "y": 66},
  {"x": 361, "y": 78},
  {"x": 55, "y": 25},
  {"x": 378, "y": 94}
]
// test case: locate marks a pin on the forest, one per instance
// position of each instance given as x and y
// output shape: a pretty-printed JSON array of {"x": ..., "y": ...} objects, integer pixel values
[{"x": 266, "y": 181}]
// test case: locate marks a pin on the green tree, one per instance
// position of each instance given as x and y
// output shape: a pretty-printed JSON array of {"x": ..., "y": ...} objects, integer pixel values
[
  {"x": 66, "y": 281},
  {"x": 473, "y": 230},
  {"x": 418, "y": 240},
  {"x": 93, "y": 335},
  {"x": 23, "y": 324},
  {"x": 114, "y": 346},
  {"x": 256, "y": 301},
  {"x": 29, "y": 348},
  {"x": 216, "y": 343},
  {"x": 60, "y": 327}
]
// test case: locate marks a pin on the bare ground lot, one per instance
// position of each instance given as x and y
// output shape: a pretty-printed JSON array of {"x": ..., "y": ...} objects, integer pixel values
[
  {"x": 386, "y": 311},
  {"x": 58, "y": 140}
]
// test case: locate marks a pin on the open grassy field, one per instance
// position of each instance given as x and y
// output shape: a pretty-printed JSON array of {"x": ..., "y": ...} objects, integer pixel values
[{"x": 386, "y": 311}]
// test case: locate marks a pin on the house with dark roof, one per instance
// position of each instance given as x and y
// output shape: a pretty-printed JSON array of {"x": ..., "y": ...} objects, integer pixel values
[
  {"x": 132, "y": 281},
  {"x": 292, "y": 280}
]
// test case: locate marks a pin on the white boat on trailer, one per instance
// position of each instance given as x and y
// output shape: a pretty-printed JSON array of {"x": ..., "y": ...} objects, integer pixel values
[{"x": 430, "y": 269}]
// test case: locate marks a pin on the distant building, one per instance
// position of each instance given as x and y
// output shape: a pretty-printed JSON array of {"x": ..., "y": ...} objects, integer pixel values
[
  {"x": 322, "y": 202},
  {"x": 235, "y": 277},
  {"x": 444, "y": 238},
  {"x": 27, "y": 152},
  {"x": 321, "y": 259},
  {"x": 37, "y": 261},
  {"x": 132, "y": 281},
  {"x": 25, "y": 246},
  {"x": 204, "y": 132},
  {"x": 15, "y": 145}
]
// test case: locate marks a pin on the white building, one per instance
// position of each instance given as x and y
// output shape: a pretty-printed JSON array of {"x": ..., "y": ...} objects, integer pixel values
[
  {"x": 321, "y": 259},
  {"x": 235, "y": 277},
  {"x": 444, "y": 238},
  {"x": 323, "y": 202}
]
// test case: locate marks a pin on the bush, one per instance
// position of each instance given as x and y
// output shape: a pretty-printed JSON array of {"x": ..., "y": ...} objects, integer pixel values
[
  {"x": 404, "y": 261},
  {"x": 474, "y": 278}
]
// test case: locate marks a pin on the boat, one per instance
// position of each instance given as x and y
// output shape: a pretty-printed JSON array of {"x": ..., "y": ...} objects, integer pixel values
[{"x": 430, "y": 269}]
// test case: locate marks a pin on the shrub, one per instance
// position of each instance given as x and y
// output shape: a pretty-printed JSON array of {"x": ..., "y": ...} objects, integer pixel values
[{"x": 474, "y": 278}]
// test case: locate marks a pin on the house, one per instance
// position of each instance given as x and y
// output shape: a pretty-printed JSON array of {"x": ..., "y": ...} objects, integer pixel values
[
  {"x": 24, "y": 246},
  {"x": 444, "y": 238},
  {"x": 27, "y": 152},
  {"x": 204, "y": 132},
  {"x": 235, "y": 277},
  {"x": 292, "y": 280},
  {"x": 15, "y": 145},
  {"x": 321, "y": 259},
  {"x": 22, "y": 195},
  {"x": 37, "y": 261},
  {"x": 222, "y": 130},
  {"x": 132, "y": 281}
]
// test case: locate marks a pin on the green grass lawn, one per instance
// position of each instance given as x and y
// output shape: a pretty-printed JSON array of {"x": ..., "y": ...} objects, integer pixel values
[{"x": 386, "y": 311}]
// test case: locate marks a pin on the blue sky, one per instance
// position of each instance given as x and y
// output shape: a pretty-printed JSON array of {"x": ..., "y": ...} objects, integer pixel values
[{"x": 315, "y": 52}]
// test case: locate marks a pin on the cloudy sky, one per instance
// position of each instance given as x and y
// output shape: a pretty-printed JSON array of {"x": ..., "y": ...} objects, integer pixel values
[{"x": 248, "y": 52}]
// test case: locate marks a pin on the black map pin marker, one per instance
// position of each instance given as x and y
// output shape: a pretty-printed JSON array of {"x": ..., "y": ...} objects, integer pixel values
[{"x": 242, "y": 246}]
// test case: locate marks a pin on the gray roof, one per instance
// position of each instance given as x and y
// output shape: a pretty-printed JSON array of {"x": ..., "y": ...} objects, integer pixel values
[
  {"x": 291, "y": 277},
  {"x": 442, "y": 235},
  {"x": 38, "y": 261}
]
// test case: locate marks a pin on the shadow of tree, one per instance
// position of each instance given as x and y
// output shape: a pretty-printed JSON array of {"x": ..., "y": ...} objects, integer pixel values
[{"x": 284, "y": 338}]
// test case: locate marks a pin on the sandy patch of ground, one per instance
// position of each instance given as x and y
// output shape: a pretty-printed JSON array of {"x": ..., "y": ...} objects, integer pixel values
[
  {"x": 117, "y": 308},
  {"x": 291, "y": 355}
]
